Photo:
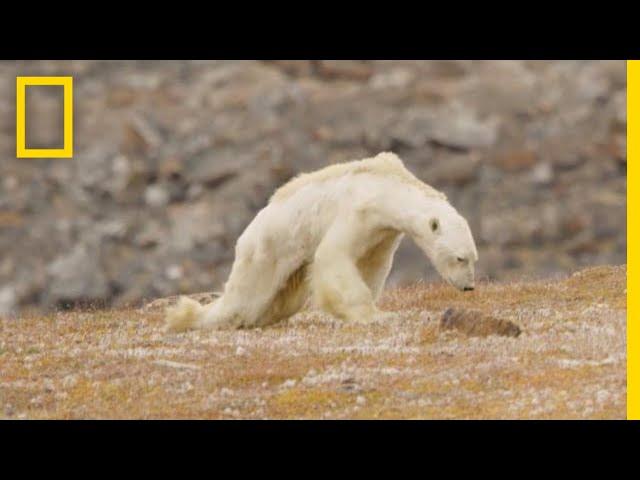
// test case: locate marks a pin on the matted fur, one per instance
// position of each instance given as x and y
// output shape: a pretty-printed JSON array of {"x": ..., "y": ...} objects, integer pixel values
[
  {"x": 183, "y": 315},
  {"x": 386, "y": 164}
]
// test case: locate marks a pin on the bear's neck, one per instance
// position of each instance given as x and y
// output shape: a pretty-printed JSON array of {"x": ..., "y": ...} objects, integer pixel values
[{"x": 410, "y": 211}]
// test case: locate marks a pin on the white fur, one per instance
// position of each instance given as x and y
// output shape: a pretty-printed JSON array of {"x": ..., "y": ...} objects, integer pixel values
[
  {"x": 183, "y": 315},
  {"x": 330, "y": 237}
]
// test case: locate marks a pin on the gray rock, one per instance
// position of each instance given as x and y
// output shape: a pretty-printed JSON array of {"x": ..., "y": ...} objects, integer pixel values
[
  {"x": 8, "y": 300},
  {"x": 196, "y": 224},
  {"x": 457, "y": 170},
  {"x": 156, "y": 196},
  {"x": 77, "y": 276},
  {"x": 462, "y": 129},
  {"x": 453, "y": 127},
  {"x": 542, "y": 173}
]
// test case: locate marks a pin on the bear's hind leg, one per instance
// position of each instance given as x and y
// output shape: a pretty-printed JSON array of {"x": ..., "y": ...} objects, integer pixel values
[
  {"x": 249, "y": 293},
  {"x": 290, "y": 299}
]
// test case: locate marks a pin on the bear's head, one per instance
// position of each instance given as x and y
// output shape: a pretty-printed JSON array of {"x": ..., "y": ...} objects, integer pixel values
[{"x": 447, "y": 240}]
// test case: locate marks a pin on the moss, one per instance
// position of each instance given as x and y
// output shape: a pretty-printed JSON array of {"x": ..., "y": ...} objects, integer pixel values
[
  {"x": 307, "y": 402},
  {"x": 405, "y": 368}
]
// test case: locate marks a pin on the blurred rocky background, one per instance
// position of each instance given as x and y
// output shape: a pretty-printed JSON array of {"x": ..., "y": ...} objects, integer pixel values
[{"x": 172, "y": 160}]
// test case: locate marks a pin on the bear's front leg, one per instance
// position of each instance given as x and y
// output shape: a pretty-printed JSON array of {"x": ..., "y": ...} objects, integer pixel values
[
  {"x": 339, "y": 290},
  {"x": 337, "y": 284}
]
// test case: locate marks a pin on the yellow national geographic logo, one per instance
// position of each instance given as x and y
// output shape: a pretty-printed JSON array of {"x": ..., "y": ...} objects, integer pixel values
[{"x": 21, "y": 148}]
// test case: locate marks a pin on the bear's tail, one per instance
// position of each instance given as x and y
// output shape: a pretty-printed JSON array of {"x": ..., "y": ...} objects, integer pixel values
[{"x": 184, "y": 315}]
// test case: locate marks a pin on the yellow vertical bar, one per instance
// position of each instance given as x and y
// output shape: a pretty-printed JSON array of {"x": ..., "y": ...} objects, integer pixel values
[
  {"x": 20, "y": 120},
  {"x": 633, "y": 240},
  {"x": 68, "y": 117}
]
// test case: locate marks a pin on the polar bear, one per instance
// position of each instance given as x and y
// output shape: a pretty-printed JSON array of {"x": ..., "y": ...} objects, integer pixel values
[{"x": 329, "y": 237}]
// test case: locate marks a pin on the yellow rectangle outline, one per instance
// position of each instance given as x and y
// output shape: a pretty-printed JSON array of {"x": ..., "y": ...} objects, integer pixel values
[
  {"x": 633, "y": 240},
  {"x": 21, "y": 149}
]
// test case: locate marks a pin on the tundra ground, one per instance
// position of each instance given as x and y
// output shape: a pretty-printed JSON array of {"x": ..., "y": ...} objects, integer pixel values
[{"x": 568, "y": 362}]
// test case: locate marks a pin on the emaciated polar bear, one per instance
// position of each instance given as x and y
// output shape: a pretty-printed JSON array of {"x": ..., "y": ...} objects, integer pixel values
[{"x": 330, "y": 236}]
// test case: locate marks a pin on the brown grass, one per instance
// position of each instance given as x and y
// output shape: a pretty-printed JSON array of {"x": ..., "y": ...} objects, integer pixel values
[{"x": 569, "y": 361}]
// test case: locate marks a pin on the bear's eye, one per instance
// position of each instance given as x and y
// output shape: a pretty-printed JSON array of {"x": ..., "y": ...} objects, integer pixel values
[
  {"x": 433, "y": 223},
  {"x": 462, "y": 259}
]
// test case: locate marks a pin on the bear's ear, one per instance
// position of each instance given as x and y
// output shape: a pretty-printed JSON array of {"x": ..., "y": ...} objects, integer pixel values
[{"x": 434, "y": 225}]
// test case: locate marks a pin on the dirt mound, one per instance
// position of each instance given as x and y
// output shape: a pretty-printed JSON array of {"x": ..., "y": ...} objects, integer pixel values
[{"x": 475, "y": 324}]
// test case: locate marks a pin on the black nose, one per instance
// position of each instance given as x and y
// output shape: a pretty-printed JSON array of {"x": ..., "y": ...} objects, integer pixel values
[{"x": 468, "y": 289}]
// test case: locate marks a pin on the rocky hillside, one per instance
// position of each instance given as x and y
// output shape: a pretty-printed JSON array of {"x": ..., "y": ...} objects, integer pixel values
[
  {"x": 173, "y": 159},
  {"x": 567, "y": 359}
]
